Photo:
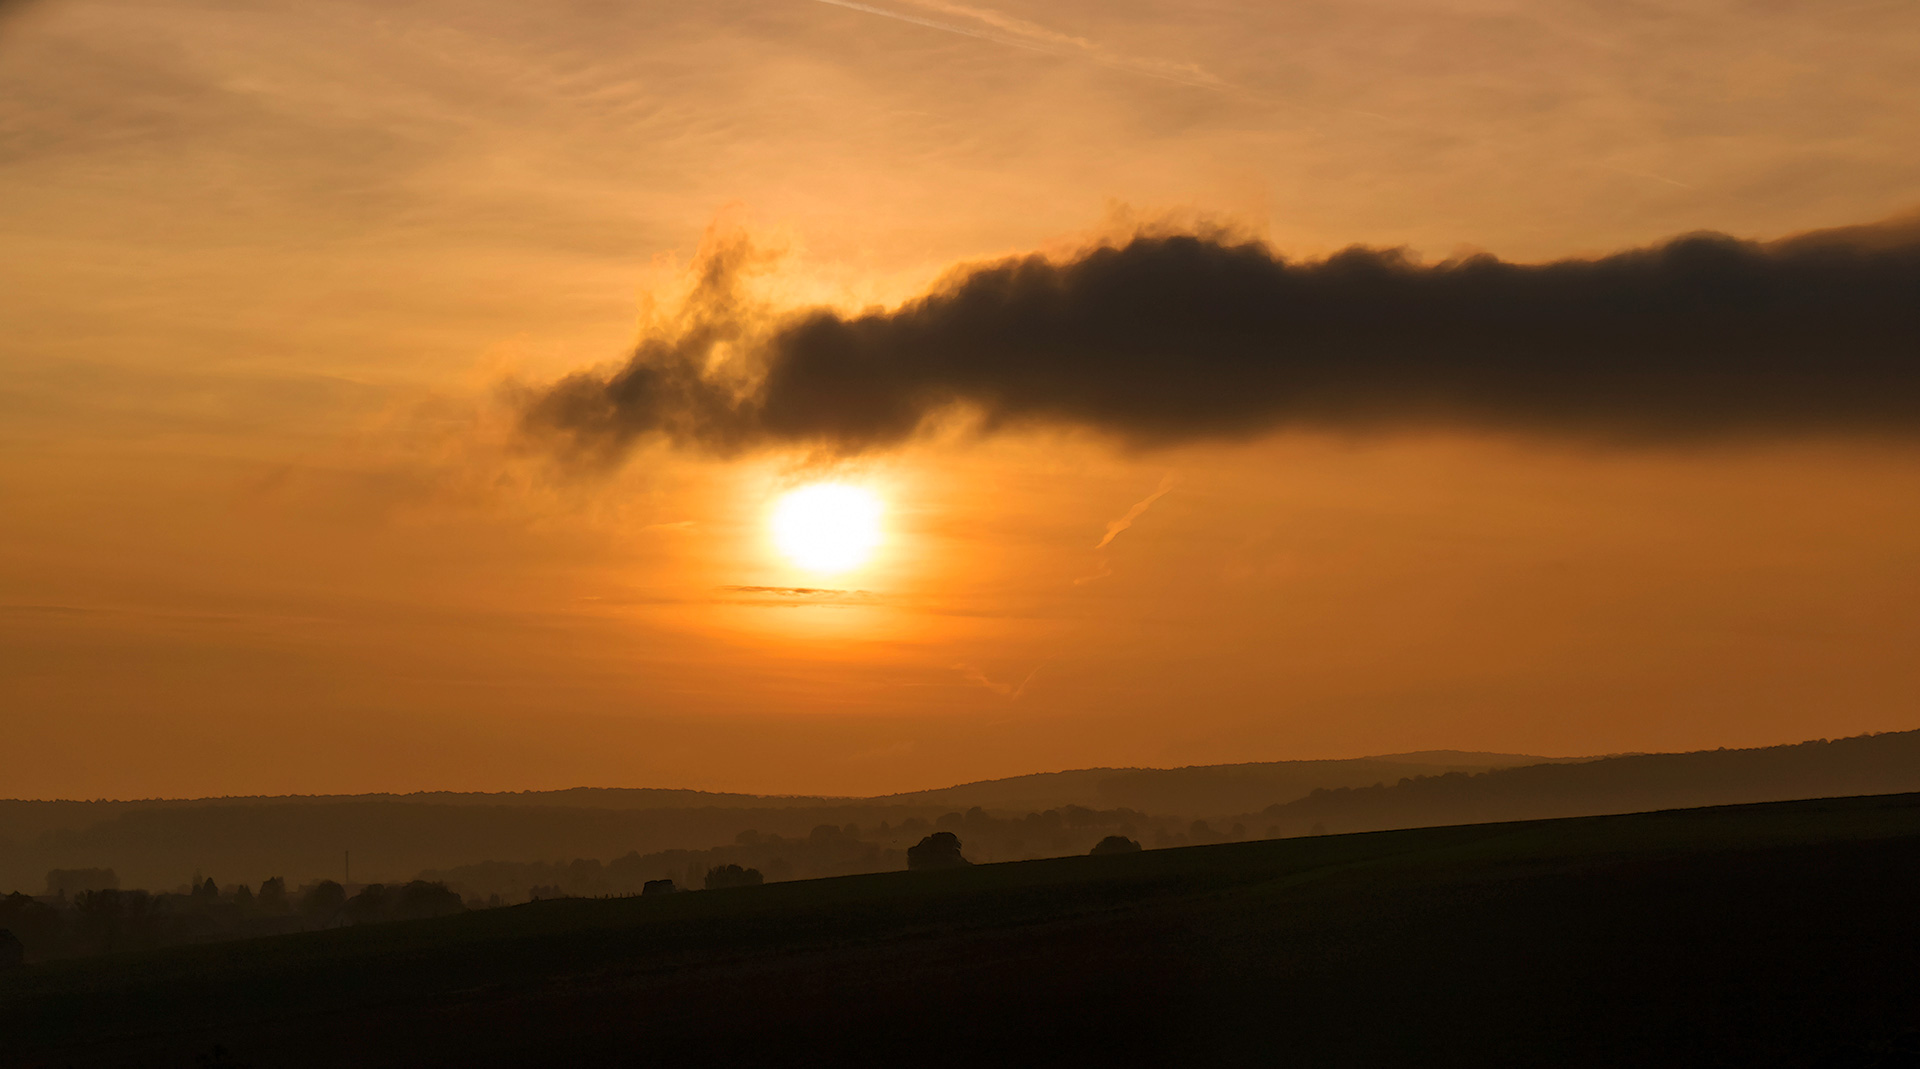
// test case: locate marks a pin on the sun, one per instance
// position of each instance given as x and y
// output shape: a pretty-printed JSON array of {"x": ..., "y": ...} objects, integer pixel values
[{"x": 827, "y": 527}]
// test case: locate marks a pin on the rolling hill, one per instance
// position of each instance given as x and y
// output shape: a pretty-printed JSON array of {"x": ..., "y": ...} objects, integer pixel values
[
  {"x": 1779, "y": 934},
  {"x": 602, "y": 841}
]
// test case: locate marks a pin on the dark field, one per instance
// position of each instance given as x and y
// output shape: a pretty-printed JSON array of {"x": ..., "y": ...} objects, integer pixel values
[{"x": 1781, "y": 934}]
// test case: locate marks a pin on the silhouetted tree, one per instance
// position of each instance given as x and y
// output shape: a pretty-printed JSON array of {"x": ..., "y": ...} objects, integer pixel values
[
  {"x": 657, "y": 887},
  {"x": 585, "y": 876},
  {"x": 31, "y": 921},
  {"x": 13, "y": 953},
  {"x": 732, "y": 876},
  {"x": 941, "y": 850},
  {"x": 323, "y": 899},
  {"x": 1115, "y": 844},
  {"x": 273, "y": 895},
  {"x": 243, "y": 897},
  {"x": 117, "y": 919},
  {"x": 424, "y": 898},
  {"x": 208, "y": 890},
  {"x": 369, "y": 905},
  {"x": 100, "y": 913}
]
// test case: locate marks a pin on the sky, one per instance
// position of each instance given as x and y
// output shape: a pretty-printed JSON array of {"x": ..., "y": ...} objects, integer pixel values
[{"x": 397, "y": 396}]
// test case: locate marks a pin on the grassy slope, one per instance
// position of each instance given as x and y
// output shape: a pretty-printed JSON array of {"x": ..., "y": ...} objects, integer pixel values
[{"x": 1772, "y": 934}]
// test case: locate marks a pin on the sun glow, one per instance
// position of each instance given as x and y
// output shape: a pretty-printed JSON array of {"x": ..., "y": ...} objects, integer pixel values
[{"x": 827, "y": 527}]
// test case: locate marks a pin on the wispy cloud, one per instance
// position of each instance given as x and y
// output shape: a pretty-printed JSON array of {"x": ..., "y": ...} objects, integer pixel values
[
  {"x": 990, "y": 25},
  {"x": 1104, "y": 571},
  {"x": 1008, "y": 691}
]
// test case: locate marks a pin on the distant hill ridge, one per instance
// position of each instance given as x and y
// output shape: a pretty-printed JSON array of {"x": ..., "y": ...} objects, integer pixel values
[
  {"x": 681, "y": 797},
  {"x": 1884, "y": 763},
  {"x": 1257, "y": 783},
  {"x": 1203, "y": 790},
  {"x": 162, "y": 843}
]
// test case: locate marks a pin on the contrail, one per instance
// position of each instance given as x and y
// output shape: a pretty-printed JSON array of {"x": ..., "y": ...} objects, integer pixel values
[
  {"x": 1114, "y": 527},
  {"x": 1027, "y": 43},
  {"x": 936, "y": 24}
]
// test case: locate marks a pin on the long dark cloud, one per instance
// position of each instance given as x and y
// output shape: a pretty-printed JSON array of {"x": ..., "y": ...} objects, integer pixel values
[{"x": 1172, "y": 339}]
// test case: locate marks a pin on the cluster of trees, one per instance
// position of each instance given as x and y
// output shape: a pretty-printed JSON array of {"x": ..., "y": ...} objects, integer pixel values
[
  {"x": 941, "y": 850},
  {"x": 375, "y": 902},
  {"x": 1074, "y": 830},
  {"x": 391, "y": 837},
  {"x": 104, "y": 917},
  {"x": 828, "y": 850},
  {"x": 732, "y": 876},
  {"x": 1070, "y": 829},
  {"x": 86, "y": 911}
]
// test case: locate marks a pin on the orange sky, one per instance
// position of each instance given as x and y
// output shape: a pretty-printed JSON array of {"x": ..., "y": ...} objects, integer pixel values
[{"x": 266, "y": 526}]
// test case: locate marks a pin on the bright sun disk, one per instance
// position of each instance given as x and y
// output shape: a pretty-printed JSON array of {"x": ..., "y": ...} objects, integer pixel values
[{"x": 827, "y": 527}]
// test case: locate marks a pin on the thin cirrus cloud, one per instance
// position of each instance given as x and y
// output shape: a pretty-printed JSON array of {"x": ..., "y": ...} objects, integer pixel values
[
  {"x": 986, "y": 24},
  {"x": 1170, "y": 339}
]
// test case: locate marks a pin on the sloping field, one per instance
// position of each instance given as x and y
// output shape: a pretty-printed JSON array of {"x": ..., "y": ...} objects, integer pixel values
[{"x": 1777, "y": 934}]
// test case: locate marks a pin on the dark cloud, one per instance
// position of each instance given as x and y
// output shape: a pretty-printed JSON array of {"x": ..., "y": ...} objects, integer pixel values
[{"x": 1171, "y": 339}]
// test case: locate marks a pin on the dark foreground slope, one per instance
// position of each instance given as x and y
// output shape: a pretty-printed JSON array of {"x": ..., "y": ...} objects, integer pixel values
[{"x": 1782, "y": 934}]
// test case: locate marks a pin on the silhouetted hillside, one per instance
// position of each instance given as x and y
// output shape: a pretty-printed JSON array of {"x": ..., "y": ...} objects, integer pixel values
[
  {"x": 389, "y": 840},
  {"x": 1775, "y": 935},
  {"x": 591, "y": 841},
  {"x": 1867, "y": 764},
  {"x": 1200, "y": 791},
  {"x": 23, "y": 820},
  {"x": 159, "y": 843}
]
